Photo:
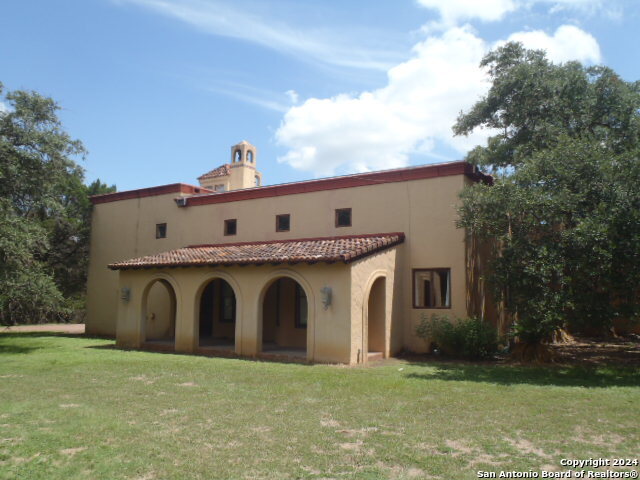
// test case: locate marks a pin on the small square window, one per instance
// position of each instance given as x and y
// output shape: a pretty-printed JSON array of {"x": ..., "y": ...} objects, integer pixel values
[
  {"x": 161, "y": 230},
  {"x": 219, "y": 188},
  {"x": 283, "y": 222},
  {"x": 432, "y": 288},
  {"x": 230, "y": 226},
  {"x": 343, "y": 217}
]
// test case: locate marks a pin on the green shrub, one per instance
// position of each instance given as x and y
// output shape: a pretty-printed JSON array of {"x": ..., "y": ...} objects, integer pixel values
[{"x": 465, "y": 337}]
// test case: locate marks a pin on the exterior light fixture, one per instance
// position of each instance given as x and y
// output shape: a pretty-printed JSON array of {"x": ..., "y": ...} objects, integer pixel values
[
  {"x": 326, "y": 296},
  {"x": 125, "y": 294}
]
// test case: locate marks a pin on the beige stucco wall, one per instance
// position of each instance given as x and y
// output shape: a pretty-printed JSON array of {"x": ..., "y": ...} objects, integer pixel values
[
  {"x": 364, "y": 273},
  {"x": 243, "y": 176},
  {"x": 160, "y": 311},
  {"x": 211, "y": 183},
  {"x": 327, "y": 338},
  {"x": 423, "y": 209}
]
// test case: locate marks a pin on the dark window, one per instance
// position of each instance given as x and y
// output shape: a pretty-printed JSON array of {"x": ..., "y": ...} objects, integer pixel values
[
  {"x": 283, "y": 222},
  {"x": 257, "y": 180},
  {"x": 219, "y": 188},
  {"x": 432, "y": 288},
  {"x": 301, "y": 307},
  {"x": 343, "y": 217},
  {"x": 161, "y": 230},
  {"x": 230, "y": 226},
  {"x": 227, "y": 303}
]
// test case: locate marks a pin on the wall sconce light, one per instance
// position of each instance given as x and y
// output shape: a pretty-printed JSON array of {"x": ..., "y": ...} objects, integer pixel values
[
  {"x": 326, "y": 296},
  {"x": 125, "y": 294}
]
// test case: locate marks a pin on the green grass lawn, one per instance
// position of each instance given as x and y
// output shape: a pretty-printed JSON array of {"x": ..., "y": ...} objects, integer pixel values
[{"x": 72, "y": 407}]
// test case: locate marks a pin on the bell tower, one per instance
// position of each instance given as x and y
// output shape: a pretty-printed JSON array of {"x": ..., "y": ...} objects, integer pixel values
[{"x": 243, "y": 167}]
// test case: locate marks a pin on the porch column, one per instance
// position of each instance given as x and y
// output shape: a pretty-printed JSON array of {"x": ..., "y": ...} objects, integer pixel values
[
  {"x": 250, "y": 341},
  {"x": 129, "y": 300},
  {"x": 186, "y": 326}
]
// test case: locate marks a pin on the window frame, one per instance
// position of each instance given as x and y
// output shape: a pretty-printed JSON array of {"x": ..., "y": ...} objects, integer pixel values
[
  {"x": 278, "y": 217},
  {"x": 227, "y": 222},
  {"x": 159, "y": 227},
  {"x": 337, "y": 216},
  {"x": 413, "y": 287}
]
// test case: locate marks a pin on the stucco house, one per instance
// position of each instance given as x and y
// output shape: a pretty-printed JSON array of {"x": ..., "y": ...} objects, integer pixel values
[{"x": 332, "y": 270}]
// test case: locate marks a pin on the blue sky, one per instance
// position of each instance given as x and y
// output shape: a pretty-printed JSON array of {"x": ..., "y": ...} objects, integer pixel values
[{"x": 158, "y": 90}]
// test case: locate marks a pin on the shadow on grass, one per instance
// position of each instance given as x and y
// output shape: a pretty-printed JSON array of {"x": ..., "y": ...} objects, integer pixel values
[
  {"x": 14, "y": 349},
  {"x": 220, "y": 355},
  {"x": 8, "y": 344},
  {"x": 4, "y": 335},
  {"x": 570, "y": 376}
]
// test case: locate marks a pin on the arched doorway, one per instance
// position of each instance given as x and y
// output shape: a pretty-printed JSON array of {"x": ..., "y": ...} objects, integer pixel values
[
  {"x": 285, "y": 317},
  {"x": 160, "y": 313},
  {"x": 217, "y": 315},
  {"x": 376, "y": 313}
]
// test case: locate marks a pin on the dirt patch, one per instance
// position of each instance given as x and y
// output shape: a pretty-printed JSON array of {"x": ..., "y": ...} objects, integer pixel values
[
  {"x": 357, "y": 432},
  {"x": 459, "y": 448},
  {"x": 72, "y": 451},
  {"x": 329, "y": 422},
  {"x": 353, "y": 446},
  {"x": 526, "y": 447},
  {"x": 71, "y": 328},
  {"x": 620, "y": 351},
  {"x": 582, "y": 351}
]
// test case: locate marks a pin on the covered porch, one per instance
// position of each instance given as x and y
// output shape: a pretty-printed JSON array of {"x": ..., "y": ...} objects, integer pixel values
[{"x": 313, "y": 300}]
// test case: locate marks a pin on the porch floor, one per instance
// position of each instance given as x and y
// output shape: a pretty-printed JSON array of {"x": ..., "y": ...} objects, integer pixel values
[
  {"x": 274, "y": 350},
  {"x": 373, "y": 356},
  {"x": 216, "y": 346},
  {"x": 159, "y": 345},
  {"x": 226, "y": 348}
]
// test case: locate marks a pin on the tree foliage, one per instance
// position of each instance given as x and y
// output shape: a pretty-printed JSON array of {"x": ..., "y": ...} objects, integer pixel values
[
  {"x": 44, "y": 213},
  {"x": 563, "y": 215}
]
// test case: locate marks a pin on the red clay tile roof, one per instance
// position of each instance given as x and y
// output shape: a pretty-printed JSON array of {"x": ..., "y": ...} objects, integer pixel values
[
  {"x": 304, "y": 250},
  {"x": 221, "y": 171}
]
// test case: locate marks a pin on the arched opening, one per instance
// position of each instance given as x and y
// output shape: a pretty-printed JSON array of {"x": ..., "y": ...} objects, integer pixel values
[
  {"x": 217, "y": 315},
  {"x": 237, "y": 156},
  {"x": 250, "y": 156},
  {"x": 285, "y": 315},
  {"x": 160, "y": 313},
  {"x": 376, "y": 313}
]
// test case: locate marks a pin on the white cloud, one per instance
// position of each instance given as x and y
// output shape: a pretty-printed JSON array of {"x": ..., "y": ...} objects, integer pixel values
[
  {"x": 293, "y": 96},
  {"x": 230, "y": 19},
  {"x": 453, "y": 12},
  {"x": 3, "y": 107},
  {"x": 567, "y": 43},
  {"x": 381, "y": 128},
  {"x": 414, "y": 112}
]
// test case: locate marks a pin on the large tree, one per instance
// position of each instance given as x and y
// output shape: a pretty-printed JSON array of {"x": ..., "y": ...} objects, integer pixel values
[
  {"x": 44, "y": 213},
  {"x": 563, "y": 215}
]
